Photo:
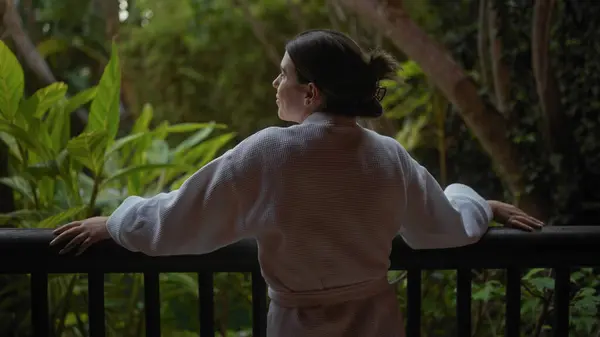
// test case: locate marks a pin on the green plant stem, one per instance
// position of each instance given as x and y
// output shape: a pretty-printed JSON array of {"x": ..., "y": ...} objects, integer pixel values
[
  {"x": 31, "y": 186},
  {"x": 66, "y": 303},
  {"x": 545, "y": 309},
  {"x": 133, "y": 299},
  {"x": 481, "y": 308},
  {"x": 36, "y": 200},
  {"x": 80, "y": 324},
  {"x": 95, "y": 191}
]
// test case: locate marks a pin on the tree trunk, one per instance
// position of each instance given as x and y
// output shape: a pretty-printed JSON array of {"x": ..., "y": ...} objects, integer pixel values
[
  {"x": 483, "y": 43},
  {"x": 499, "y": 70},
  {"x": 546, "y": 84},
  {"x": 13, "y": 25},
  {"x": 483, "y": 120}
]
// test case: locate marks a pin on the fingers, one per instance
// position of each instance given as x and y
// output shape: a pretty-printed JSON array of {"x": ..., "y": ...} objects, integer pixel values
[
  {"x": 68, "y": 226},
  {"x": 74, "y": 242},
  {"x": 524, "y": 217},
  {"x": 537, "y": 223},
  {"x": 85, "y": 245},
  {"x": 67, "y": 233},
  {"x": 525, "y": 222},
  {"x": 529, "y": 220},
  {"x": 79, "y": 234},
  {"x": 518, "y": 224}
]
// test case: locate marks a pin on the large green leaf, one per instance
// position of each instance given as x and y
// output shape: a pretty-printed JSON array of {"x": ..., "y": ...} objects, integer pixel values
[
  {"x": 121, "y": 142},
  {"x": 44, "y": 169},
  {"x": 206, "y": 151},
  {"x": 80, "y": 99},
  {"x": 88, "y": 149},
  {"x": 194, "y": 140},
  {"x": 21, "y": 215},
  {"x": 37, "y": 105},
  {"x": 11, "y": 82},
  {"x": 62, "y": 217},
  {"x": 142, "y": 123},
  {"x": 39, "y": 129},
  {"x": 162, "y": 130},
  {"x": 189, "y": 127},
  {"x": 104, "y": 112},
  {"x": 12, "y": 145},
  {"x": 140, "y": 137},
  {"x": 24, "y": 138},
  {"x": 60, "y": 130},
  {"x": 198, "y": 156},
  {"x": 19, "y": 184},
  {"x": 126, "y": 172}
]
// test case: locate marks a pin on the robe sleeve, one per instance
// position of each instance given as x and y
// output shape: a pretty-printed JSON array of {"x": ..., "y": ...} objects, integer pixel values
[
  {"x": 436, "y": 218},
  {"x": 205, "y": 214}
]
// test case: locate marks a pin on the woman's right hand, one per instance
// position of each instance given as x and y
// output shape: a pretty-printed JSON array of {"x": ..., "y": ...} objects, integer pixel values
[{"x": 513, "y": 217}]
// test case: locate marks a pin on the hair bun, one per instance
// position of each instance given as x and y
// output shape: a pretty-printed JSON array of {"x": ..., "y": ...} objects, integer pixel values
[{"x": 382, "y": 65}]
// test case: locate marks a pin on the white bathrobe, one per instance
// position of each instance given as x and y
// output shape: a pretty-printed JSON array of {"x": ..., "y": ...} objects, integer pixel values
[{"x": 324, "y": 200}]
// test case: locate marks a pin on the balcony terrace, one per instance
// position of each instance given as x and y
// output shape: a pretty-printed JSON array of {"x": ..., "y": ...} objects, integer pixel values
[{"x": 561, "y": 248}]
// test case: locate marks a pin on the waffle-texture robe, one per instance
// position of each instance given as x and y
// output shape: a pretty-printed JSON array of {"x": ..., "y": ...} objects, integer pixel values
[{"x": 324, "y": 199}]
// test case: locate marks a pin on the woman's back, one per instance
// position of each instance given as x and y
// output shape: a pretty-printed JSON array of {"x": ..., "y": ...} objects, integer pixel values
[{"x": 332, "y": 205}]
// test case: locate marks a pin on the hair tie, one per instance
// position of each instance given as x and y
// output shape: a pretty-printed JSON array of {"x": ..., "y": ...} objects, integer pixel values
[{"x": 380, "y": 93}]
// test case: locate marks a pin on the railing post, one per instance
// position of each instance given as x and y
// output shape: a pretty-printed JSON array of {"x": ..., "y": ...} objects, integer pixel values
[
  {"x": 413, "y": 294},
  {"x": 152, "y": 304},
  {"x": 561, "y": 302},
  {"x": 207, "y": 304},
  {"x": 463, "y": 302},
  {"x": 96, "y": 304},
  {"x": 513, "y": 302},
  {"x": 39, "y": 304},
  {"x": 259, "y": 305}
]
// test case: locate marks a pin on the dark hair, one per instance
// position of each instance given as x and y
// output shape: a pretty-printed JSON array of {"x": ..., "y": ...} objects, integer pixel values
[{"x": 346, "y": 76}]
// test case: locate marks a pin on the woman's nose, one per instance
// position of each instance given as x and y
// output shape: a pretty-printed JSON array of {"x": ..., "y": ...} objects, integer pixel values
[{"x": 276, "y": 82}]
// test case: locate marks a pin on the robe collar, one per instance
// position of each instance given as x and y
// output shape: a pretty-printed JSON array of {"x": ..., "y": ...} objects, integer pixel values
[{"x": 327, "y": 118}]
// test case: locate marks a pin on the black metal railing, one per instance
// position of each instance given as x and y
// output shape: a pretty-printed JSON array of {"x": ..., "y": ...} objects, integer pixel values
[{"x": 560, "y": 248}]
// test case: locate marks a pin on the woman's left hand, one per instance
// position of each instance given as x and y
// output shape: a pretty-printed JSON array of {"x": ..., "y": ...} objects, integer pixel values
[{"x": 81, "y": 234}]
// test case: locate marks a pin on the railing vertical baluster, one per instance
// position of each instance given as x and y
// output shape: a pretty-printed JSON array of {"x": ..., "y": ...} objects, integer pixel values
[
  {"x": 96, "y": 304},
  {"x": 152, "y": 304},
  {"x": 259, "y": 305},
  {"x": 207, "y": 304},
  {"x": 463, "y": 302},
  {"x": 40, "y": 318},
  {"x": 513, "y": 302},
  {"x": 413, "y": 294},
  {"x": 561, "y": 302}
]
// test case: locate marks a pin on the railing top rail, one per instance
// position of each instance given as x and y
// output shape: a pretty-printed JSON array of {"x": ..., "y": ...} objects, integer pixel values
[{"x": 27, "y": 250}]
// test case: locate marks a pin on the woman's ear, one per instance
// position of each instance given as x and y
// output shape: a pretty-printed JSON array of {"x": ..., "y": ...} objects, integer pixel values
[{"x": 313, "y": 95}]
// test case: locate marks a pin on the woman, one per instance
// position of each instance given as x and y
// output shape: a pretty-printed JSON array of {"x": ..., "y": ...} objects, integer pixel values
[{"x": 323, "y": 198}]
